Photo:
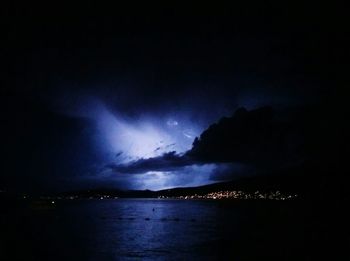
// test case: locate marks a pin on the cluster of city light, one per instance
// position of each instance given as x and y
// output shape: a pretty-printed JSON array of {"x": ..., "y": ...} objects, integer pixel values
[
  {"x": 234, "y": 194},
  {"x": 273, "y": 195},
  {"x": 98, "y": 196}
]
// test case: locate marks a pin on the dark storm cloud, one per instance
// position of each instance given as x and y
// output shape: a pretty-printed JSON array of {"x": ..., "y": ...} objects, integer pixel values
[
  {"x": 258, "y": 137},
  {"x": 40, "y": 148},
  {"x": 237, "y": 145},
  {"x": 166, "y": 162},
  {"x": 249, "y": 139},
  {"x": 231, "y": 171}
]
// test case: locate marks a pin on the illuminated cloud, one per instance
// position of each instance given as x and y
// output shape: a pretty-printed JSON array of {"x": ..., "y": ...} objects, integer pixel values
[
  {"x": 166, "y": 162},
  {"x": 127, "y": 139},
  {"x": 188, "y": 176},
  {"x": 172, "y": 123}
]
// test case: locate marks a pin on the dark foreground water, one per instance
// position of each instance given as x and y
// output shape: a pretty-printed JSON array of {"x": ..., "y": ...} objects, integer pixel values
[{"x": 151, "y": 229}]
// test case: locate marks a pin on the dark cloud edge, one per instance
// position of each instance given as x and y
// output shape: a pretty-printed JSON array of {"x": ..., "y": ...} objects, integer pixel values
[{"x": 167, "y": 162}]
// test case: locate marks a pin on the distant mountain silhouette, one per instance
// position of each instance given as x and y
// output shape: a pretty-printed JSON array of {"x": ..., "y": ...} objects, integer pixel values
[{"x": 292, "y": 180}]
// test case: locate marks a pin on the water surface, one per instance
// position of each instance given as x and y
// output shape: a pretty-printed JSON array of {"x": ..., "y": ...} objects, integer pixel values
[{"x": 152, "y": 229}]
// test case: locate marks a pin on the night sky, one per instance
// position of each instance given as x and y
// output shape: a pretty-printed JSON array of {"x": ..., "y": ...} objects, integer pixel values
[{"x": 97, "y": 97}]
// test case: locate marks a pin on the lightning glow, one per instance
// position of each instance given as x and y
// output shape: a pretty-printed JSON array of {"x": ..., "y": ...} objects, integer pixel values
[{"x": 144, "y": 137}]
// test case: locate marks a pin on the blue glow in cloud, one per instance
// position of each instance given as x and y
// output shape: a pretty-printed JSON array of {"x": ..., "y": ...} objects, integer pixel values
[
  {"x": 188, "y": 176},
  {"x": 126, "y": 139},
  {"x": 123, "y": 141}
]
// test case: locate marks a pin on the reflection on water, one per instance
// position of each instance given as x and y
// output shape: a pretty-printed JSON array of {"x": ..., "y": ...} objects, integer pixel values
[{"x": 150, "y": 229}]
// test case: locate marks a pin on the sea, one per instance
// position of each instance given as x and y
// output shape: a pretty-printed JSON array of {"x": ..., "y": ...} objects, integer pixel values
[{"x": 155, "y": 229}]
